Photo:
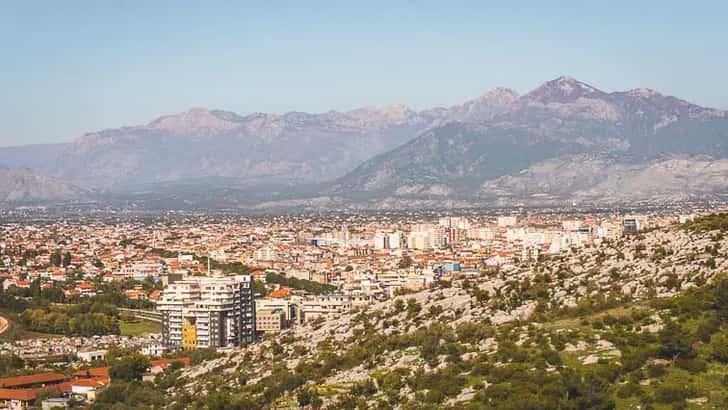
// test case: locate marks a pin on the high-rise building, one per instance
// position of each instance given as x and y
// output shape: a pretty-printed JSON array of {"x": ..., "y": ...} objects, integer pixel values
[
  {"x": 381, "y": 241},
  {"x": 387, "y": 240},
  {"x": 418, "y": 240},
  {"x": 395, "y": 240},
  {"x": 208, "y": 312}
]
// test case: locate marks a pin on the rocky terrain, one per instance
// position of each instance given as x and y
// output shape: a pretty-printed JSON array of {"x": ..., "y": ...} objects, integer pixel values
[
  {"x": 535, "y": 146},
  {"x": 625, "y": 323},
  {"x": 600, "y": 179},
  {"x": 564, "y": 142}
]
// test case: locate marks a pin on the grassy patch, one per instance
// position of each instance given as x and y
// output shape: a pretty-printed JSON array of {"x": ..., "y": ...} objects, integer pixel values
[{"x": 139, "y": 327}]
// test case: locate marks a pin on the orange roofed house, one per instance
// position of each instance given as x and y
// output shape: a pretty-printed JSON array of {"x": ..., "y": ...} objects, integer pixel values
[{"x": 19, "y": 392}]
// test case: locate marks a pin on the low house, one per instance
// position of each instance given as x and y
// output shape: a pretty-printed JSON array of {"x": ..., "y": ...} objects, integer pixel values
[
  {"x": 88, "y": 388},
  {"x": 19, "y": 392},
  {"x": 92, "y": 355}
]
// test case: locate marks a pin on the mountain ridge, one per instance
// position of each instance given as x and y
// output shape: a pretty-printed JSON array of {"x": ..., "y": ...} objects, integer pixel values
[
  {"x": 394, "y": 152},
  {"x": 563, "y": 118}
]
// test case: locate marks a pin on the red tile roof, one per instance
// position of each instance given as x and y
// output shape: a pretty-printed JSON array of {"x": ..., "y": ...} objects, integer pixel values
[
  {"x": 95, "y": 382},
  {"x": 93, "y": 372},
  {"x": 29, "y": 394},
  {"x": 155, "y": 294},
  {"x": 29, "y": 380},
  {"x": 166, "y": 362},
  {"x": 280, "y": 293}
]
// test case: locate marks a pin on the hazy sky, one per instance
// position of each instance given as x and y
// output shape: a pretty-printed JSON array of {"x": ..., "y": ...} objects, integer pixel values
[{"x": 70, "y": 67}]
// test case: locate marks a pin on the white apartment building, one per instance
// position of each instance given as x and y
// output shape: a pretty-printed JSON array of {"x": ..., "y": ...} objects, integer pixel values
[
  {"x": 206, "y": 312},
  {"x": 387, "y": 240},
  {"x": 419, "y": 240}
]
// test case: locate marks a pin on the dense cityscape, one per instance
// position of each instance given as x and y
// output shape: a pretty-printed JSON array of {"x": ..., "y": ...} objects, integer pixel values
[{"x": 85, "y": 291}]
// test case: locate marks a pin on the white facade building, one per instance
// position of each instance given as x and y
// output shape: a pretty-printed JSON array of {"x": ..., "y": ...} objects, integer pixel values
[{"x": 208, "y": 312}]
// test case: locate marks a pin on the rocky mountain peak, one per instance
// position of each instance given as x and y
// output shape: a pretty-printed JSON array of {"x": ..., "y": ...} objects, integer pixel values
[
  {"x": 643, "y": 93},
  {"x": 192, "y": 121},
  {"x": 499, "y": 96},
  {"x": 563, "y": 89}
]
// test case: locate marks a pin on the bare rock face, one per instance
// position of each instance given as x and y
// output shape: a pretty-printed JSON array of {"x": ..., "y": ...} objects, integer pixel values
[
  {"x": 585, "y": 178},
  {"x": 196, "y": 121}
]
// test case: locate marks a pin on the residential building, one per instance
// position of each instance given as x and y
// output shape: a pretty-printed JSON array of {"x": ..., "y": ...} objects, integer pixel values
[
  {"x": 270, "y": 320},
  {"x": 208, "y": 312}
]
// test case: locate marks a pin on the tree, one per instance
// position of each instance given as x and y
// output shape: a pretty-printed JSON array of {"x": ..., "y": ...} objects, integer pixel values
[
  {"x": 56, "y": 258},
  {"x": 405, "y": 262},
  {"x": 259, "y": 288},
  {"x": 398, "y": 305},
  {"x": 676, "y": 341},
  {"x": 304, "y": 397},
  {"x": 35, "y": 289},
  {"x": 413, "y": 308},
  {"x": 10, "y": 363},
  {"x": 66, "y": 259},
  {"x": 129, "y": 368},
  {"x": 721, "y": 300},
  {"x": 148, "y": 283},
  {"x": 719, "y": 346}
]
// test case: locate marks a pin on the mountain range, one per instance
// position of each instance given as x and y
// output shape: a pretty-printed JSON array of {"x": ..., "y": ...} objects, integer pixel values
[{"x": 564, "y": 142}]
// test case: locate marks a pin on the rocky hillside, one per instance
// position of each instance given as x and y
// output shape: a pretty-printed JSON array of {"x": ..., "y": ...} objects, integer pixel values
[
  {"x": 603, "y": 179},
  {"x": 632, "y": 323},
  {"x": 22, "y": 185}
]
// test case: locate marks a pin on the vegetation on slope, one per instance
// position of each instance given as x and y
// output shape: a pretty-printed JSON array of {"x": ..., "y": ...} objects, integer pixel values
[
  {"x": 714, "y": 222},
  {"x": 638, "y": 323}
]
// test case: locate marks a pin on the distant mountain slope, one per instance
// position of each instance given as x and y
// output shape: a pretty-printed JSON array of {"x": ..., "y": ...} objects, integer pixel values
[
  {"x": 608, "y": 180},
  {"x": 255, "y": 149},
  {"x": 563, "y": 141},
  {"x": 562, "y": 124},
  {"x": 199, "y": 143},
  {"x": 39, "y": 157},
  {"x": 24, "y": 185}
]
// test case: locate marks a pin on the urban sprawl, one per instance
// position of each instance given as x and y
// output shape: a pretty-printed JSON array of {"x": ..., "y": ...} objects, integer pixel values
[{"x": 203, "y": 283}]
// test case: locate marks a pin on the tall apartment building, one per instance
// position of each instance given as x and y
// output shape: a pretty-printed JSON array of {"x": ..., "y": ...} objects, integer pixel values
[
  {"x": 208, "y": 312},
  {"x": 387, "y": 240}
]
